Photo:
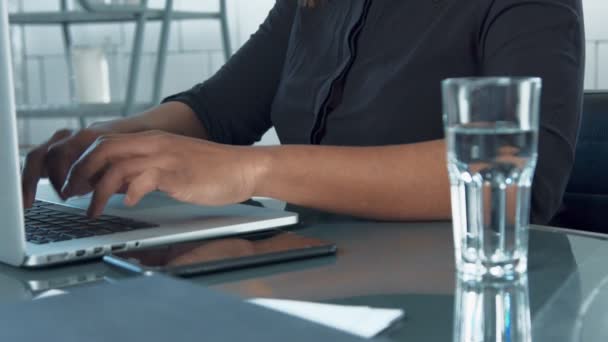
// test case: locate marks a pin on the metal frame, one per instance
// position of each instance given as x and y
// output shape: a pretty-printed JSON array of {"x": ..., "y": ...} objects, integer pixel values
[
  {"x": 138, "y": 43},
  {"x": 225, "y": 31},
  {"x": 67, "y": 44},
  {"x": 98, "y": 13}
]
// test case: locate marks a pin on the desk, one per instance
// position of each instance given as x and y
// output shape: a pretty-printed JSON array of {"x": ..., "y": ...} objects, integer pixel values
[{"x": 407, "y": 265}]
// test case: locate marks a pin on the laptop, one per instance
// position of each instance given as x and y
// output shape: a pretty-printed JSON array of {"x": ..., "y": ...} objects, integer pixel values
[{"x": 55, "y": 232}]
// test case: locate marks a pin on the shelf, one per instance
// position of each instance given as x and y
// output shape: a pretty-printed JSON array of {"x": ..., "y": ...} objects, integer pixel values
[
  {"x": 83, "y": 17},
  {"x": 140, "y": 15}
]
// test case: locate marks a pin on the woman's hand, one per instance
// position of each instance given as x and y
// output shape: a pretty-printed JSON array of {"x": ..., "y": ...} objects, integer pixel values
[
  {"x": 53, "y": 159},
  {"x": 187, "y": 169}
]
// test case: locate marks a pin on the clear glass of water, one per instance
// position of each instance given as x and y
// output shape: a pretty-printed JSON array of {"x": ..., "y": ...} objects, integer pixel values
[
  {"x": 492, "y": 311},
  {"x": 491, "y": 127}
]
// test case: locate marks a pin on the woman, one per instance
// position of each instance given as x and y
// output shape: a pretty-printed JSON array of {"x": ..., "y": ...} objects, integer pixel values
[{"x": 352, "y": 88}]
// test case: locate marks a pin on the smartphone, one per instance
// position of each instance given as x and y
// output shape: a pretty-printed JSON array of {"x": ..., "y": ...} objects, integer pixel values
[{"x": 216, "y": 255}]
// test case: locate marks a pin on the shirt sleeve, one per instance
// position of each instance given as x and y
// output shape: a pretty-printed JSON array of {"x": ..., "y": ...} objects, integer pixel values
[
  {"x": 234, "y": 104},
  {"x": 542, "y": 38}
]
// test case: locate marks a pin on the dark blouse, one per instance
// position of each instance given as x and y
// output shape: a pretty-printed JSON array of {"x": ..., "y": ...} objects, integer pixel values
[{"x": 368, "y": 72}]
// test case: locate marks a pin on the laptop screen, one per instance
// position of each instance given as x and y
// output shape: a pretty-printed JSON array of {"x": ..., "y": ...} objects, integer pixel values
[
  {"x": 12, "y": 240},
  {"x": 7, "y": 104}
]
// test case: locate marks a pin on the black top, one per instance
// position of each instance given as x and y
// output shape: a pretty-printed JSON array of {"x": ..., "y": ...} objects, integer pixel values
[{"x": 367, "y": 73}]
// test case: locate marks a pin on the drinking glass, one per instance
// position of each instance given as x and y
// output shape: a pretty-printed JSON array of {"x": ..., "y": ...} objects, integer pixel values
[
  {"x": 496, "y": 310},
  {"x": 491, "y": 128}
]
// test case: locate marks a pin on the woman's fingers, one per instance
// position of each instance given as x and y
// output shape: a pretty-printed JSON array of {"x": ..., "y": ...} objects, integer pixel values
[
  {"x": 101, "y": 154},
  {"x": 36, "y": 165},
  {"x": 32, "y": 172},
  {"x": 141, "y": 185},
  {"x": 139, "y": 175}
]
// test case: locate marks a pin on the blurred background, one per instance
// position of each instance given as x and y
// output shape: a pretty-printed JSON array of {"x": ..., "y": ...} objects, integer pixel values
[{"x": 195, "y": 50}]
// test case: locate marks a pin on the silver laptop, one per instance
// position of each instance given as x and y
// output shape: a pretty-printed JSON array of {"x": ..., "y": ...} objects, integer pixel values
[{"x": 55, "y": 232}]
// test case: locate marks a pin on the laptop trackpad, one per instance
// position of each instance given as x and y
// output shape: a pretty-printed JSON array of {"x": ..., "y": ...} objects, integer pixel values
[{"x": 153, "y": 200}]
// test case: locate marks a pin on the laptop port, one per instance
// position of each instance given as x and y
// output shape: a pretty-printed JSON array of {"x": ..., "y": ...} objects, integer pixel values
[
  {"x": 97, "y": 250},
  {"x": 80, "y": 253},
  {"x": 56, "y": 257},
  {"x": 118, "y": 247}
]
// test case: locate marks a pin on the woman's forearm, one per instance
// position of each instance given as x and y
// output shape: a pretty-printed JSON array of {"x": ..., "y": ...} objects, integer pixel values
[
  {"x": 171, "y": 117},
  {"x": 401, "y": 182}
]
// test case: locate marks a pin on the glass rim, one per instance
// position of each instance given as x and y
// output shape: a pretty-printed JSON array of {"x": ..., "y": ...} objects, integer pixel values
[{"x": 499, "y": 80}]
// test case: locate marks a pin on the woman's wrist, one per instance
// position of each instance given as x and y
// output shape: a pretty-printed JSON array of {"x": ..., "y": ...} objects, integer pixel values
[
  {"x": 116, "y": 126},
  {"x": 172, "y": 117},
  {"x": 263, "y": 162}
]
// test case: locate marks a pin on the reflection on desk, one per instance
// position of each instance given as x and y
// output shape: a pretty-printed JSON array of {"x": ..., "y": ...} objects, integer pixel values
[
  {"x": 492, "y": 310},
  {"x": 26, "y": 284},
  {"x": 410, "y": 266}
]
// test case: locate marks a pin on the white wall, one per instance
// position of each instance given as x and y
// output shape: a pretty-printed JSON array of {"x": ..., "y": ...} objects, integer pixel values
[
  {"x": 194, "y": 53},
  {"x": 596, "y": 27}
]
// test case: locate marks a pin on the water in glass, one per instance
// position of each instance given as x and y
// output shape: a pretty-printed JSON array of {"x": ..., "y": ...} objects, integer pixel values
[{"x": 491, "y": 166}]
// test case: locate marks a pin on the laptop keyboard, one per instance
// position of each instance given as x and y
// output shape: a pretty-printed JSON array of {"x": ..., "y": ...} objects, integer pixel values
[{"x": 47, "y": 222}]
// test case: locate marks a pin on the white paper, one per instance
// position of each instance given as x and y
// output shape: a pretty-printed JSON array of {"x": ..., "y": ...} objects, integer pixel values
[{"x": 363, "y": 321}]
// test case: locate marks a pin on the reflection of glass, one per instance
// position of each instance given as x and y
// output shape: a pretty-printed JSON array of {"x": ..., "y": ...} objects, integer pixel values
[
  {"x": 491, "y": 127},
  {"x": 492, "y": 310}
]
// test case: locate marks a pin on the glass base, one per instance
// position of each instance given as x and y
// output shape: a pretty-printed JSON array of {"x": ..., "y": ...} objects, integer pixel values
[{"x": 504, "y": 270}]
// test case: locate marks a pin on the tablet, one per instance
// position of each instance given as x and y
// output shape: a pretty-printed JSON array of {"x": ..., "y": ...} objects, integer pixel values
[{"x": 209, "y": 256}]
